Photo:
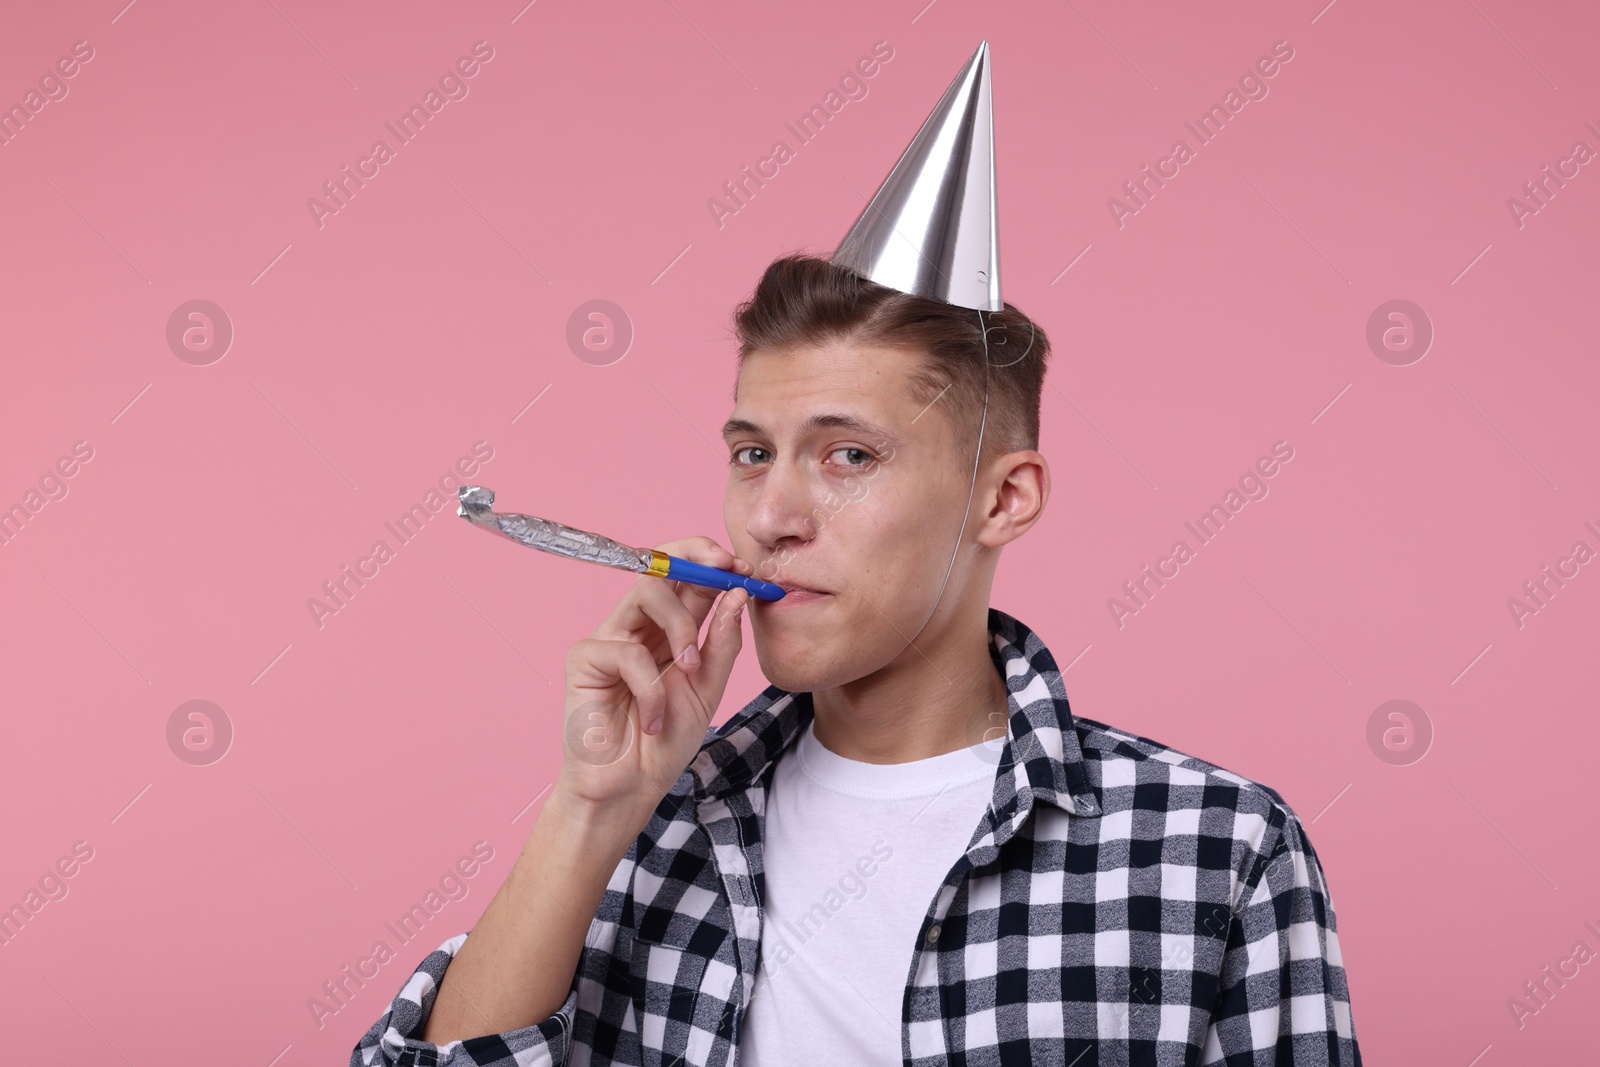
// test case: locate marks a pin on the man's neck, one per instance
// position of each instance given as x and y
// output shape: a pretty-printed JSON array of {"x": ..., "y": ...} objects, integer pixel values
[{"x": 937, "y": 696}]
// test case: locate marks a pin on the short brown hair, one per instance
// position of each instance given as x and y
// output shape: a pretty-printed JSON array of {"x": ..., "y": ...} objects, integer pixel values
[{"x": 804, "y": 300}]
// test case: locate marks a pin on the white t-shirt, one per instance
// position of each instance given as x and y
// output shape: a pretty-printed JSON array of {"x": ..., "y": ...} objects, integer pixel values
[{"x": 854, "y": 854}]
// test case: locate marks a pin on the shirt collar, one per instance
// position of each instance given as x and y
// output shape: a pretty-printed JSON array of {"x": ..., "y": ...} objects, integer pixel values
[{"x": 1041, "y": 759}]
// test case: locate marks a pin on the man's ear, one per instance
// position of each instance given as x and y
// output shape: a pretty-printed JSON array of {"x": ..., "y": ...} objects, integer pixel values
[{"x": 1021, "y": 483}]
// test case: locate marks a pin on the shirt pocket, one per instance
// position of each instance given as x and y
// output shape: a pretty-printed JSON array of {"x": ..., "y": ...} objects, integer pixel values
[{"x": 670, "y": 953}]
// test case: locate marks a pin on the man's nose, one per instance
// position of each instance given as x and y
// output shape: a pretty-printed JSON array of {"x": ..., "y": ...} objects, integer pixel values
[{"x": 783, "y": 507}]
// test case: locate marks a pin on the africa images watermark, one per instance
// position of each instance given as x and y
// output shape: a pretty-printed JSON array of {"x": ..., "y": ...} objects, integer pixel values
[
  {"x": 340, "y": 590},
  {"x": 1537, "y": 993},
  {"x": 1539, "y": 591},
  {"x": 53, "y": 88},
  {"x": 1538, "y": 192},
  {"x": 53, "y": 485},
  {"x": 738, "y": 192},
  {"x": 452, "y": 86},
  {"x": 1207, "y": 128},
  {"x": 1177, "y": 954},
  {"x": 850, "y": 886},
  {"x": 452, "y": 886},
  {"x": 1205, "y": 529},
  {"x": 51, "y": 886}
]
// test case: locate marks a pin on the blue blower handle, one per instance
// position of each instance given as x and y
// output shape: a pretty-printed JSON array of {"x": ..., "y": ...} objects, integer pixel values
[{"x": 682, "y": 570}]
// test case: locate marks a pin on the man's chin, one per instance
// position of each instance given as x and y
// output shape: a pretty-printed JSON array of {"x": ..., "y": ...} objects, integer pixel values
[{"x": 797, "y": 661}]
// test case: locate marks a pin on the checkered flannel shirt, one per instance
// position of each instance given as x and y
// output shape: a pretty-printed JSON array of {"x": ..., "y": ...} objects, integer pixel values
[{"x": 1119, "y": 903}]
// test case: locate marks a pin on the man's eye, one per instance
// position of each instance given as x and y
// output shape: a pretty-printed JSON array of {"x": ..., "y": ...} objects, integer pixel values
[
  {"x": 860, "y": 458},
  {"x": 736, "y": 461}
]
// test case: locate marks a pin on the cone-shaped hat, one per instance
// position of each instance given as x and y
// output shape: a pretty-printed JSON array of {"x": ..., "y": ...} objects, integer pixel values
[{"x": 931, "y": 228}]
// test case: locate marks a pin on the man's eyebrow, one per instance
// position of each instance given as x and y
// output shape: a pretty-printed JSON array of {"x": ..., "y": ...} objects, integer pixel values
[{"x": 822, "y": 421}]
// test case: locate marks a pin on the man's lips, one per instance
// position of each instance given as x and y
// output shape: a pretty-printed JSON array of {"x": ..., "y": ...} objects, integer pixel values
[{"x": 798, "y": 593}]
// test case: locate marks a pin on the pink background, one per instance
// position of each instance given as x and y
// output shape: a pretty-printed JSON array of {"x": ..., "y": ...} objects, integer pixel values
[{"x": 1227, "y": 314}]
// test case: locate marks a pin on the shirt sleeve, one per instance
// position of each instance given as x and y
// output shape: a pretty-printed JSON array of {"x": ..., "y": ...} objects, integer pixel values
[
  {"x": 1282, "y": 999},
  {"x": 395, "y": 1040}
]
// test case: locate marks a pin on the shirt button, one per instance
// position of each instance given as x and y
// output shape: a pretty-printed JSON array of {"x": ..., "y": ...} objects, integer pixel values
[{"x": 933, "y": 934}]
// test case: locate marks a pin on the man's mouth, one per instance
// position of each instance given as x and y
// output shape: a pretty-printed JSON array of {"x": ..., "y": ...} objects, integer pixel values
[{"x": 794, "y": 593}]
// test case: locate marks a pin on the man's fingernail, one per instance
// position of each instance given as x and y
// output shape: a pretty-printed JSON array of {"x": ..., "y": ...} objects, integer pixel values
[{"x": 691, "y": 657}]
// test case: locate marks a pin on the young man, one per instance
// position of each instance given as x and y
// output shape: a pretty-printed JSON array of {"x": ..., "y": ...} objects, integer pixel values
[{"x": 906, "y": 850}]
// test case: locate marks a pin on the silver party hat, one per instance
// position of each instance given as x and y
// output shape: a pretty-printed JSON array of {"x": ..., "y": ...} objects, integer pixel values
[{"x": 931, "y": 228}]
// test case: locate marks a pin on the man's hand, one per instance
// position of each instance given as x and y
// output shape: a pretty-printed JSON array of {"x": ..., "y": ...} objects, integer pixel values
[
  {"x": 637, "y": 709},
  {"x": 641, "y": 690}
]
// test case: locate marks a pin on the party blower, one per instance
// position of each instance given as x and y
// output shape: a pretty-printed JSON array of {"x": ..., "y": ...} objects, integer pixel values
[{"x": 477, "y": 505}]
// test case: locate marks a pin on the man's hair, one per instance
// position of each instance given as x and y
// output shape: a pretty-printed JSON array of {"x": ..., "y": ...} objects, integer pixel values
[{"x": 802, "y": 300}]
